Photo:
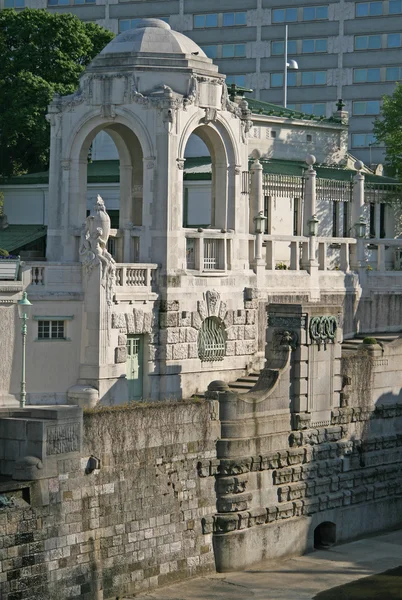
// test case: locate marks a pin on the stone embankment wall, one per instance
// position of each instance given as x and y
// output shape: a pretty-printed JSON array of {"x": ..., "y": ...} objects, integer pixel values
[{"x": 132, "y": 524}]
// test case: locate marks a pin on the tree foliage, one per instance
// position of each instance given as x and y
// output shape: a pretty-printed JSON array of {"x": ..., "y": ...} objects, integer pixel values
[
  {"x": 388, "y": 129},
  {"x": 41, "y": 54}
]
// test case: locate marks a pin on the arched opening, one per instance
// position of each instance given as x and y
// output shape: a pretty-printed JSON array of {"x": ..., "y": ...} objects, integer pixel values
[
  {"x": 324, "y": 535},
  {"x": 206, "y": 180},
  {"x": 111, "y": 164}
]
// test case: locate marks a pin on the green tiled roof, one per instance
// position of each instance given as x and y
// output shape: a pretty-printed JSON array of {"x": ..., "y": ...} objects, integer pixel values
[
  {"x": 14, "y": 237},
  {"x": 99, "y": 171},
  {"x": 291, "y": 167}
]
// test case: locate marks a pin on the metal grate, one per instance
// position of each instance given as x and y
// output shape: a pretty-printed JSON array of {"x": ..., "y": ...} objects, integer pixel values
[
  {"x": 211, "y": 249},
  {"x": 212, "y": 340},
  {"x": 190, "y": 253},
  {"x": 384, "y": 192},
  {"x": 283, "y": 186},
  {"x": 333, "y": 190},
  {"x": 245, "y": 182}
]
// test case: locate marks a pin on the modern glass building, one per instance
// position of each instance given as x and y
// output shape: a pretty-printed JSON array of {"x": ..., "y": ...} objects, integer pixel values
[{"x": 344, "y": 48}]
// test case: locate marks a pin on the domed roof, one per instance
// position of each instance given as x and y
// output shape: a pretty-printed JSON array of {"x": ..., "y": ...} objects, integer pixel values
[{"x": 152, "y": 36}]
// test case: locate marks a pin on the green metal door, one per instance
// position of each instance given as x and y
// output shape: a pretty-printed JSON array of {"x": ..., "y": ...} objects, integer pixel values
[{"x": 134, "y": 366}]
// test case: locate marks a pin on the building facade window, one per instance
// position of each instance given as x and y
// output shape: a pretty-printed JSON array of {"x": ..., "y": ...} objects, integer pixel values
[
  {"x": 394, "y": 40},
  {"x": 277, "y": 79},
  {"x": 51, "y": 330},
  {"x": 311, "y": 108},
  {"x": 284, "y": 15},
  {"x": 314, "y": 78},
  {"x": 239, "y": 80},
  {"x": 367, "y": 42},
  {"x": 278, "y": 47},
  {"x": 314, "y": 46},
  {"x": 315, "y": 13},
  {"x": 126, "y": 24},
  {"x": 363, "y": 140},
  {"x": 368, "y": 9},
  {"x": 393, "y": 73},
  {"x": 366, "y": 107},
  {"x": 229, "y": 19},
  {"x": 225, "y": 51},
  {"x": 14, "y": 3},
  {"x": 366, "y": 75},
  {"x": 395, "y": 7}
]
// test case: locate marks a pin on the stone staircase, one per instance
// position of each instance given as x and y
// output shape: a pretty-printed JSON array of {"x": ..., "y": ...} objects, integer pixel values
[
  {"x": 245, "y": 383},
  {"x": 351, "y": 346}
]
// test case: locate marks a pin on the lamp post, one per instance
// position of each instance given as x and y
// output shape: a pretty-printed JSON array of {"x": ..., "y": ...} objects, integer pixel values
[
  {"x": 291, "y": 64},
  {"x": 259, "y": 224},
  {"x": 24, "y": 313}
]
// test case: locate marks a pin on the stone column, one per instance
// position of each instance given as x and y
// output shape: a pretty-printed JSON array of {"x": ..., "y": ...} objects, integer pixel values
[
  {"x": 257, "y": 207},
  {"x": 309, "y": 213},
  {"x": 358, "y": 256}
]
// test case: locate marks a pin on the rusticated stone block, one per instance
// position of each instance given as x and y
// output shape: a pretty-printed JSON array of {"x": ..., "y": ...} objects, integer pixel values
[
  {"x": 243, "y": 522},
  {"x": 283, "y": 493},
  {"x": 272, "y": 514},
  {"x": 295, "y": 439},
  {"x": 333, "y": 434},
  {"x": 235, "y": 467},
  {"x": 204, "y": 468},
  {"x": 323, "y": 485},
  {"x": 245, "y": 347},
  {"x": 270, "y": 461},
  {"x": 182, "y": 335},
  {"x": 191, "y": 334},
  {"x": 257, "y": 516},
  {"x": 231, "y": 333},
  {"x": 323, "y": 500},
  {"x": 297, "y": 491},
  {"x": 235, "y": 503},
  {"x": 286, "y": 511},
  {"x": 347, "y": 498},
  {"x": 250, "y": 317},
  {"x": 202, "y": 309},
  {"x": 118, "y": 321},
  {"x": 295, "y": 456},
  {"x": 256, "y": 463},
  {"x": 169, "y": 305},
  {"x": 148, "y": 321},
  {"x": 225, "y": 523},
  {"x": 250, "y": 332},
  {"x": 207, "y": 525},
  {"x": 185, "y": 318},
  {"x": 228, "y": 320},
  {"x": 311, "y": 506},
  {"x": 170, "y": 319},
  {"x": 130, "y": 323},
  {"x": 298, "y": 508},
  {"x": 283, "y": 458},
  {"x": 310, "y": 488},
  {"x": 138, "y": 320},
  {"x": 231, "y": 485},
  {"x": 239, "y": 333},
  {"x": 297, "y": 474},
  {"x": 335, "y": 500},
  {"x": 309, "y": 471},
  {"x": 239, "y": 317},
  {"x": 180, "y": 351},
  {"x": 282, "y": 476},
  {"x": 222, "y": 311},
  {"x": 196, "y": 320},
  {"x": 122, "y": 339},
  {"x": 360, "y": 494},
  {"x": 230, "y": 348},
  {"x": 170, "y": 336},
  {"x": 120, "y": 354},
  {"x": 193, "y": 350}
]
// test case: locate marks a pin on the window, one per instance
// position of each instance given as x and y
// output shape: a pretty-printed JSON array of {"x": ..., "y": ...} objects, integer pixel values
[
  {"x": 202, "y": 21},
  {"x": 366, "y": 75},
  {"x": 318, "y": 109},
  {"x": 394, "y": 40},
  {"x": 314, "y": 78},
  {"x": 366, "y": 107},
  {"x": 210, "y": 51},
  {"x": 314, "y": 13},
  {"x": 345, "y": 223},
  {"x": 312, "y": 46},
  {"x": 125, "y": 24},
  {"x": 14, "y": 3},
  {"x": 212, "y": 340},
  {"x": 278, "y": 48},
  {"x": 277, "y": 79},
  {"x": 239, "y": 80},
  {"x": 234, "y": 18},
  {"x": 363, "y": 140},
  {"x": 296, "y": 216},
  {"x": 367, "y": 42},
  {"x": 395, "y": 7},
  {"x": 335, "y": 218},
  {"x": 372, "y": 219},
  {"x": 51, "y": 330},
  {"x": 382, "y": 220},
  {"x": 368, "y": 9},
  {"x": 393, "y": 73},
  {"x": 284, "y": 15},
  {"x": 233, "y": 50}
]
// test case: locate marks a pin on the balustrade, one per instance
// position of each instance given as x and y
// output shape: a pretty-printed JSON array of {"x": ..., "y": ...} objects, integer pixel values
[
  {"x": 38, "y": 275},
  {"x": 135, "y": 275},
  {"x": 208, "y": 250}
]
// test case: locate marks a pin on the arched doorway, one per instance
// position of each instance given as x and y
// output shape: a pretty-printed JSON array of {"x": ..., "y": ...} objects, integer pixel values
[{"x": 324, "y": 535}]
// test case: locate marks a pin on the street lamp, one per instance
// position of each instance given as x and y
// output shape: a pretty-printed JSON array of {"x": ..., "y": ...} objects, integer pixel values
[
  {"x": 259, "y": 221},
  {"x": 360, "y": 228},
  {"x": 24, "y": 313},
  {"x": 313, "y": 226},
  {"x": 291, "y": 64}
]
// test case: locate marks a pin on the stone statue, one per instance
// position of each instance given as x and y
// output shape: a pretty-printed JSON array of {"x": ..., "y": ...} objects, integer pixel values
[{"x": 93, "y": 246}]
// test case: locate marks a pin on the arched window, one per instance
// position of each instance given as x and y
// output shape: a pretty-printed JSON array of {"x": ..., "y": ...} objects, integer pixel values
[{"x": 212, "y": 340}]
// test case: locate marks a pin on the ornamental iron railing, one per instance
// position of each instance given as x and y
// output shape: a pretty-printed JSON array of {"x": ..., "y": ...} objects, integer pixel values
[{"x": 212, "y": 340}]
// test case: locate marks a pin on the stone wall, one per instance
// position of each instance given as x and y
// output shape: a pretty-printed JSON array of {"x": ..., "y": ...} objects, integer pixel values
[{"x": 131, "y": 524}]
